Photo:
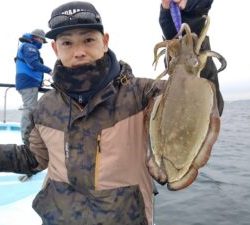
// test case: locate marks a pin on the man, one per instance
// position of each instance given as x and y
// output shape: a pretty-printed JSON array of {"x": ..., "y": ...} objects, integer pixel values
[
  {"x": 89, "y": 131},
  {"x": 29, "y": 73},
  {"x": 192, "y": 12}
]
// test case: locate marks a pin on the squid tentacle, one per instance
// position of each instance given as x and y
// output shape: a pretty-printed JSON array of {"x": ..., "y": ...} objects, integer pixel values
[{"x": 202, "y": 35}]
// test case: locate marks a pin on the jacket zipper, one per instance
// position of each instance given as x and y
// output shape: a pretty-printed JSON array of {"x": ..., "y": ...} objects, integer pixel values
[
  {"x": 98, "y": 143},
  {"x": 80, "y": 100},
  {"x": 97, "y": 160}
]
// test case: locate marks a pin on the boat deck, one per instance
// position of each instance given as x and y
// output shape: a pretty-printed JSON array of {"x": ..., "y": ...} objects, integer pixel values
[{"x": 15, "y": 196}]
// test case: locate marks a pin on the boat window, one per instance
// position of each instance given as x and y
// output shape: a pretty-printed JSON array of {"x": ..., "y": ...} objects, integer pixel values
[
  {"x": 3, "y": 128},
  {"x": 14, "y": 128}
]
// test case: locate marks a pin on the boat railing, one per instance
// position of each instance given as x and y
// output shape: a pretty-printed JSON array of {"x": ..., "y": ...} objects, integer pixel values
[{"x": 8, "y": 87}]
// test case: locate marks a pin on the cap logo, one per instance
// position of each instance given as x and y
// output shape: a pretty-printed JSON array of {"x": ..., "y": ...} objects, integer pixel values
[{"x": 72, "y": 11}]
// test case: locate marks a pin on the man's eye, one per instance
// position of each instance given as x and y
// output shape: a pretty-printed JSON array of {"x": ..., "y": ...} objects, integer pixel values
[
  {"x": 66, "y": 43},
  {"x": 88, "y": 40}
]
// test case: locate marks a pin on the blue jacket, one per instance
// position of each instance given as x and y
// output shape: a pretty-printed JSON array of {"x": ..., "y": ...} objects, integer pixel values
[{"x": 29, "y": 65}]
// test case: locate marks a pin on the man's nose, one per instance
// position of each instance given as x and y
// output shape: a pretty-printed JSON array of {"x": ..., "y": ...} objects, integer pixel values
[{"x": 80, "y": 51}]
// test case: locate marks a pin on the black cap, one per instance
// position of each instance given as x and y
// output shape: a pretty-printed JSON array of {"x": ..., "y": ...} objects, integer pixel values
[{"x": 73, "y": 15}]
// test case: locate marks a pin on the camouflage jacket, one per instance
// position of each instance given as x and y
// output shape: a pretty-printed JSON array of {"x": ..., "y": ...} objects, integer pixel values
[{"x": 96, "y": 155}]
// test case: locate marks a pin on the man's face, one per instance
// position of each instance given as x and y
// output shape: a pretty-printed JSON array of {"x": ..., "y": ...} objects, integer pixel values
[
  {"x": 80, "y": 47},
  {"x": 38, "y": 39}
]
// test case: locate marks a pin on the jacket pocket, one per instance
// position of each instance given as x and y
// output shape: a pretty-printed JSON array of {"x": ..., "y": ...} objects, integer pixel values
[
  {"x": 48, "y": 205},
  {"x": 122, "y": 205}
]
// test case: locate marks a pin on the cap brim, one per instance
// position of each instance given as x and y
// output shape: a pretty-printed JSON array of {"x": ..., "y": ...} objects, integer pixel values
[
  {"x": 44, "y": 40},
  {"x": 52, "y": 34}
]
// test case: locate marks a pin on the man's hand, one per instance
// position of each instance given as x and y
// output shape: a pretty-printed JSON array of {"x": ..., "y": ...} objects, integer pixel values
[
  {"x": 181, "y": 3},
  {"x": 165, "y": 4},
  {"x": 47, "y": 82}
]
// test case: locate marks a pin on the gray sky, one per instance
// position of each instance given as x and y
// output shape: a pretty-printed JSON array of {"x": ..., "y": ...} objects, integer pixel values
[{"x": 134, "y": 30}]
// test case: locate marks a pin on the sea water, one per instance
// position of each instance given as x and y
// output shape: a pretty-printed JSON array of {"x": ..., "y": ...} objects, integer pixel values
[{"x": 221, "y": 193}]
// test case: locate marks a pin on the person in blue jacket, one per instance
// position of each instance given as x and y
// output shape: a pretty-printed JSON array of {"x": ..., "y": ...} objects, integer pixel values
[
  {"x": 192, "y": 12},
  {"x": 29, "y": 76},
  {"x": 30, "y": 72}
]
